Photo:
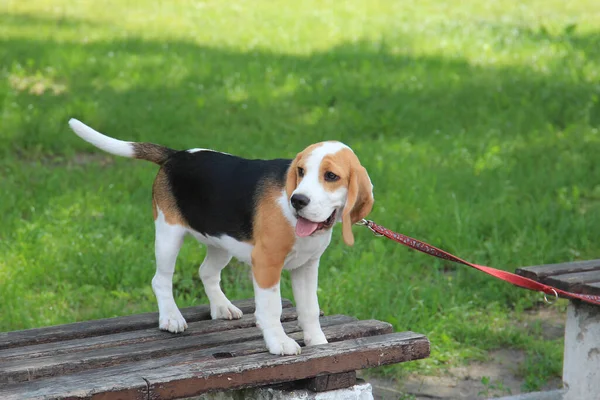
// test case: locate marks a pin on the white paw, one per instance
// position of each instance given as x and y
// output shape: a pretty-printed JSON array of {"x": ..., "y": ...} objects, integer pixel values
[
  {"x": 283, "y": 346},
  {"x": 315, "y": 338},
  {"x": 172, "y": 322},
  {"x": 225, "y": 311}
]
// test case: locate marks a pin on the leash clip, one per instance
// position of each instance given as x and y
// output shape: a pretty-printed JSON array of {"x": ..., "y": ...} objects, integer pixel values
[
  {"x": 553, "y": 300},
  {"x": 367, "y": 223}
]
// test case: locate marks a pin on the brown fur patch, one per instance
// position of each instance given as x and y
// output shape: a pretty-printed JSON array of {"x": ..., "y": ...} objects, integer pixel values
[
  {"x": 354, "y": 176},
  {"x": 163, "y": 199},
  {"x": 342, "y": 164},
  {"x": 293, "y": 178},
  {"x": 151, "y": 152},
  {"x": 154, "y": 209},
  {"x": 273, "y": 236}
]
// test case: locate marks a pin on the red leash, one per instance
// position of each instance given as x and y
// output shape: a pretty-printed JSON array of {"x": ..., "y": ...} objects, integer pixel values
[{"x": 516, "y": 280}]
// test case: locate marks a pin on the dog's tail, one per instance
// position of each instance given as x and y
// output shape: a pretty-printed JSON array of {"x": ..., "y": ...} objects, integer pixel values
[{"x": 143, "y": 151}]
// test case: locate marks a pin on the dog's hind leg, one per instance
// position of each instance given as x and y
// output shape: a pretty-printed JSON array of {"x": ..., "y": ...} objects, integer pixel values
[
  {"x": 210, "y": 274},
  {"x": 169, "y": 239}
]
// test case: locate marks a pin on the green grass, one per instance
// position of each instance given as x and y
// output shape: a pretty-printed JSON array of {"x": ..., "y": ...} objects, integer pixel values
[{"x": 479, "y": 124}]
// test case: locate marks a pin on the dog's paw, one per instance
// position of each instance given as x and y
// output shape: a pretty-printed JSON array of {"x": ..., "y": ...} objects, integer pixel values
[
  {"x": 315, "y": 338},
  {"x": 283, "y": 346},
  {"x": 172, "y": 322},
  {"x": 225, "y": 311}
]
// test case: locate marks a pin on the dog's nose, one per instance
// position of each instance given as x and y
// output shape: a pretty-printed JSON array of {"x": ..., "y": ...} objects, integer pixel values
[{"x": 299, "y": 201}]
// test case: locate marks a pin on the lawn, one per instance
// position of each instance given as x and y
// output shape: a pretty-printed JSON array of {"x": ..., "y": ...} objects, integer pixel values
[{"x": 478, "y": 122}]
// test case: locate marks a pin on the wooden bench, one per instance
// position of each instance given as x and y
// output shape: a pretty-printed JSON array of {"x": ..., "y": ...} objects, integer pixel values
[
  {"x": 581, "y": 366},
  {"x": 130, "y": 358}
]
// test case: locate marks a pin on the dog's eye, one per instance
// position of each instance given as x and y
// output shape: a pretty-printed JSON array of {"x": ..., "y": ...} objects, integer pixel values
[
  {"x": 331, "y": 177},
  {"x": 300, "y": 172}
]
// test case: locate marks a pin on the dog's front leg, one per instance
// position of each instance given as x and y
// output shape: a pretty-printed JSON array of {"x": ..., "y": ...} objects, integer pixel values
[
  {"x": 268, "y": 319},
  {"x": 266, "y": 273},
  {"x": 304, "y": 285}
]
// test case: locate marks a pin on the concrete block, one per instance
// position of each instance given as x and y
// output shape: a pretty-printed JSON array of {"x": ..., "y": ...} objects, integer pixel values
[
  {"x": 581, "y": 368},
  {"x": 362, "y": 391}
]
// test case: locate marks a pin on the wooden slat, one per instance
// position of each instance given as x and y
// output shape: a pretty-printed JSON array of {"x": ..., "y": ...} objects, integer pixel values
[
  {"x": 576, "y": 277},
  {"x": 126, "y": 387},
  {"x": 108, "y": 326},
  {"x": 125, "y": 338},
  {"x": 541, "y": 272},
  {"x": 192, "y": 379},
  {"x": 127, "y": 381},
  {"x": 29, "y": 369},
  {"x": 578, "y": 282}
]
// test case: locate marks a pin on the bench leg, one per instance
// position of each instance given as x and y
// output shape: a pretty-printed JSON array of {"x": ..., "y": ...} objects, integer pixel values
[{"x": 581, "y": 368}]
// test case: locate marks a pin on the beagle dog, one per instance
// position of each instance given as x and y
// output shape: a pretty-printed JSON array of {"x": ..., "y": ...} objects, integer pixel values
[{"x": 271, "y": 214}]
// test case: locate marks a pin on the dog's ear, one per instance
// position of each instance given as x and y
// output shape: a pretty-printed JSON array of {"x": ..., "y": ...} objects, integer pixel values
[
  {"x": 359, "y": 202},
  {"x": 291, "y": 181}
]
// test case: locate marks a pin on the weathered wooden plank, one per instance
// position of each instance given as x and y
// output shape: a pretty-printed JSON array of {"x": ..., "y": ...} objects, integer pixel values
[
  {"x": 323, "y": 383},
  {"x": 260, "y": 369},
  {"x": 579, "y": 282},
  {"x": 29, "y": 369},
  {"x": 126, "y": 338},
  {"x": 71, "y": 387},
  {"x": 541, "y": 272},
  {"x": 333, "y": 331},
  {"x": 123, "y": 381},
  {"x": 108, "y": 326}
]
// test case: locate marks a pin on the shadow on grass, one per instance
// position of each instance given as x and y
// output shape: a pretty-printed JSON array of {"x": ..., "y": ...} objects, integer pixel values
[{"x": 187, "y": 95}]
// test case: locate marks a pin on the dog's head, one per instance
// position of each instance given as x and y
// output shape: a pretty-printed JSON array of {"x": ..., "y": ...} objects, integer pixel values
[{"x": 326, "y": 183}]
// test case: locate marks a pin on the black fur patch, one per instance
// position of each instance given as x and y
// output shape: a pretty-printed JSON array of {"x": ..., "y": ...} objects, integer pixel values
[{"x": 217, "y": 193}]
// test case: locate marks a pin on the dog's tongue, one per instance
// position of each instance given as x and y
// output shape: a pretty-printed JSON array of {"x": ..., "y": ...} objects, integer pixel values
[{"x": 305, "y": 227}]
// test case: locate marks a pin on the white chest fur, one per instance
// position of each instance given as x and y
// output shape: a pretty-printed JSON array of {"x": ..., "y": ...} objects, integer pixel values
[{"x": 307, "y": 249}]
